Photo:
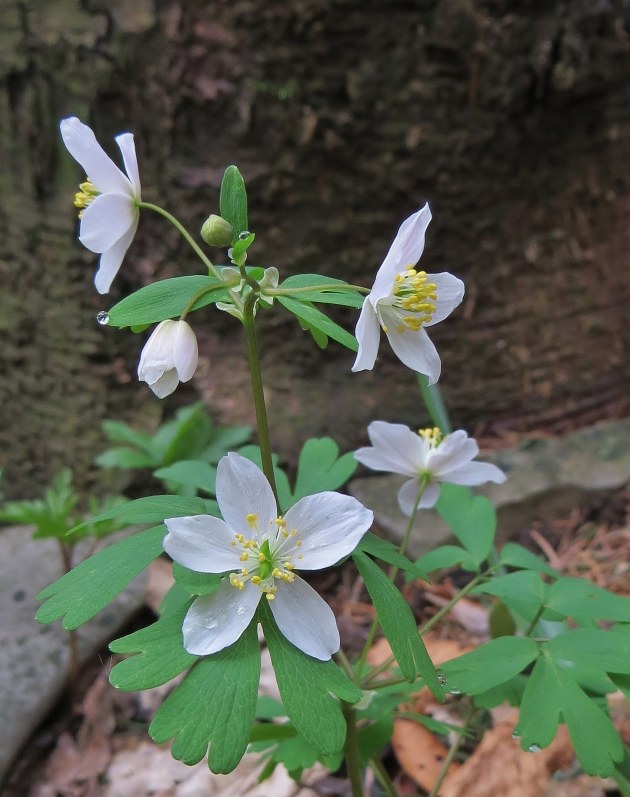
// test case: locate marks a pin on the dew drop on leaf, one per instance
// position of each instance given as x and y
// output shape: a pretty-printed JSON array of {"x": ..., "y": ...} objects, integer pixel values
[
  {"x": 453, "y": 691},
  {"x": 516, "y": 734},
  {"x": 534, "y": 748},
  {"x": 102, "y": 318},
  {"x": 243, "y": 235},
  {"x": 441, "y": 678}
]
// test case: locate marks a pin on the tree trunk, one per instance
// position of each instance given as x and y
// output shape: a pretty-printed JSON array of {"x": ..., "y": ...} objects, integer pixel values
[{"x": 510, "y": 118}]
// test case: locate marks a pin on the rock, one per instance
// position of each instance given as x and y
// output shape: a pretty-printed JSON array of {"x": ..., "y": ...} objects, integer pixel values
[
  {"x": 547, "y": 477},
  {"x": 34, "y": 658}
]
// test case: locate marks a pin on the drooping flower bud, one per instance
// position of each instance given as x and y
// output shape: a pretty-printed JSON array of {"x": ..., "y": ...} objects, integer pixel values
[
  {"x": 168, "y": 357},
  {"x": 216, "y": 231}
]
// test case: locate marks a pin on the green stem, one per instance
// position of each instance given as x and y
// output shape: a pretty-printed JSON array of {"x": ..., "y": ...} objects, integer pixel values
[
  {"x": 334, "y": 287},
  {"x": 351, "y": 751},
  {"x": 196, "y": 296},
  {"x": 535, "y": 620},
  {"x": 257, "y": 389},
  {"x": 383, "y": 777},
  {"x": 184, "y": 232},
  {"x": 392, "y": 575},
  {"x": 450, "y": 756}
]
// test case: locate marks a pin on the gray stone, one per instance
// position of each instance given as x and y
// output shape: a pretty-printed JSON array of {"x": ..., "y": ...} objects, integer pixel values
[
  {"x": 34, "y": 658},
  {"x": 547, "y": 477}
]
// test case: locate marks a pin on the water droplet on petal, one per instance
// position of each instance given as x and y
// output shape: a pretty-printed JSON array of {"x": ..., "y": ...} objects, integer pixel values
[
  {"x": 516, "y": 734},
  {"x": 534, "y": 748},
  {"x": 102, "y": 318},
  {"x": 441, "y": 678},
  {"x": 243, "y": 235}
]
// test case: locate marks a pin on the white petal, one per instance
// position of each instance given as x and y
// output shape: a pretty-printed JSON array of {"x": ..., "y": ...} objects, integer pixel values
[
  {"x": 216, "y": 621},
  {"x": 398, "y": 444},
  {"x": 368, "y": 335},
  {"x": 475, "y": 473},
  {"x": 105, "y": 220},
  {"x": 330, "y": 526},
  {"x": 405, "y": 251},
  {"x": 243, "y": 489},
  {"x": 99, "y": 168},
  {"x": 454, "y": 451},
  {"x": 158, "y": 350},
  {"x": 185, "y": 353},
  {"x": 165, "y": 384},
  {"x": 305, "y": 619},
  {"x": 416, "y": 351},
  {"x": 111, "y": 260},
  {"x": 128, "y": 150},
  {"x": 202, "y": 543},
  {"x": 408, "y": 495},
  {"x": 450, "y": 292}
]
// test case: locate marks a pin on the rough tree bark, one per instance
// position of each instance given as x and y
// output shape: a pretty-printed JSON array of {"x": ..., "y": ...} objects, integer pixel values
[{"x": 510, "y": 116}]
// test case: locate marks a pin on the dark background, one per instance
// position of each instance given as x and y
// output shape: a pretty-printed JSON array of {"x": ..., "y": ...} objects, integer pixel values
[{"x": 510, "y": 117}]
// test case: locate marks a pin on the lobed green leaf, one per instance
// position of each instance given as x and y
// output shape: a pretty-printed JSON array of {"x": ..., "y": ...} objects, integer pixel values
[
  {"x": 315, "y": 318},
  {"x": 321, "y": 468},
  {"x": 214, "y": 706},
  {"x": 89, "y": 587},
  {"x": 471, "y": 518},
  {"x": 583, "y": 600},
  {"x": 309, "y": 689}
]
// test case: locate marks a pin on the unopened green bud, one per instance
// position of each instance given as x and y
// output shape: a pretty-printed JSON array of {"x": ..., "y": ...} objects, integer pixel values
[{"x": 216, "y": 231}]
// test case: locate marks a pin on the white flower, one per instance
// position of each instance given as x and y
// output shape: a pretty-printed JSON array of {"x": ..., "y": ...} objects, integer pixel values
[
  {"x": 403, "y": 301},
  {"x": 260, "y": 551},
  {"x": 168, "y": 357},
  {"x": 425, "y": 456},
  {"x": 108, "y": 200}
]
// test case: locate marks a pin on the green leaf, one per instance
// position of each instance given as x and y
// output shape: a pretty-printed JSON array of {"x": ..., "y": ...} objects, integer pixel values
[
  {"x": 582, "y": 600},
  {"x": 446, "y": 556},
  {"x": 92, "y": 585},
  {"x": 508, "y": 692},
  {"x": 154, "y": 509},
  {"x": 185, "y": 436},
  {"x": 119, "y": 432},
  {"x": 399, "y": 625},
  {"x": 214, "y": 705},
  {"x": 224, "y": 439},
  {"x": 539, "y": 712},
  {"x": 489, "y": 665},
  {"x": 196, "y": 583},
  {"x": 592, "y": 648},
  {"x": 514, "y": 555},
  {"x": 434, "y": 402},
  {"x": 472, "y": 519},
  {"x": 191, "y": 473},
  {"x": 269, "y": 708},
  {"x": 308, "y": 688},
  {"x": 523, "y": 591},
  {"x": 386, "y": 551},
  {"x": 321, "y": 468},
  {"x": 165, "y": 299},
  {"x": 315, "y": 318},
  {"x": 160, "y": 654},
  {"x": 124, "y": 457},
  {"x": 549, "y": 693},
  {"x": 233, "y": 200},
  {"x": 241, "y": 245}
]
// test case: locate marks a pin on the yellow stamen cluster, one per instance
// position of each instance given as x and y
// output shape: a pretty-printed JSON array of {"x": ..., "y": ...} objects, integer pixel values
[
  {"x": 433, "y": 436},
  {"x": 266, "y": 561},
  {"x": 414, "y": 294},
  {"x": 83, "y": 197}
]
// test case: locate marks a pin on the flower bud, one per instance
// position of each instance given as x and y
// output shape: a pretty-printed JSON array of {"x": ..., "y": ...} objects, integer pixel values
[
  {"x": 168, "y": 357},
  {"x": 216, "y": 231}
]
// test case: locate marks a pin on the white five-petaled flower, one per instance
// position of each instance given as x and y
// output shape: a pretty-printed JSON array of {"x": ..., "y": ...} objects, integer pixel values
[
  {"x": 108, "y": 199},
  {"x": 403, "y": 301},
  {"x": 259, "y": 551},
  {"x": 425, "y": 457},
  {"x": 169, "y": 357}
]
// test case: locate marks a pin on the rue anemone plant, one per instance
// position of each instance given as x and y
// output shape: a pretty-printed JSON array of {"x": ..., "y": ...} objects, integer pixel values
[{"x": 243, "y": 552}]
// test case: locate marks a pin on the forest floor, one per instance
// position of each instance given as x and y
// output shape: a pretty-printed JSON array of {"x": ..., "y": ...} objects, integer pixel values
[{"x": 95, "y": 744}]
